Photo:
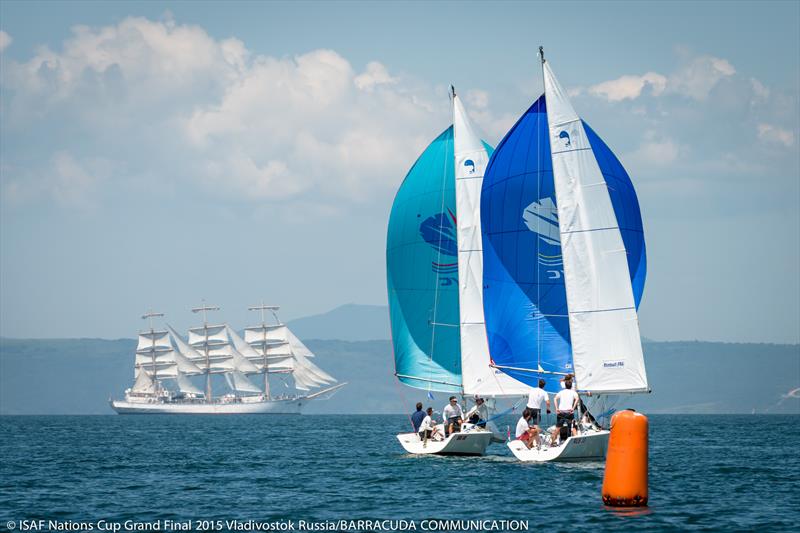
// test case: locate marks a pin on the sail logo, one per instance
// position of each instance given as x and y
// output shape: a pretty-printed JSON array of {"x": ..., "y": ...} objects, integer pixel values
[
  {"x": 618, "y": 363},
  {"x": 439, "y": 231},
  {"x": 564, "y": 135},
  {"x": 469, "y": 166},
  {"x": 541, "y": 217}
]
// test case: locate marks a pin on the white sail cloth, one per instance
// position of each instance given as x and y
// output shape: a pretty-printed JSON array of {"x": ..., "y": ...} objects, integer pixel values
[
  {"x": 185, "y": 350},
  {"x": 604, "y": 327},
  {"x": 265, "y": 334},
  {"x": 471, "y": 159},
  {"x": 306, "y": 374},
  {"x": 143, "y": 383},
  {"x": 278, "y": 353},
  {"x": 153, "y": 341},
  {"x": 166, "y": 364},
  {"x": 186, "y": 386},
  {"x": 238, "y": 381},
  {"x": 209, "y": 335}
]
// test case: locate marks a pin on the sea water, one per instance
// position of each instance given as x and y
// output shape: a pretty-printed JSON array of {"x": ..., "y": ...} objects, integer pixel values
[{"x": 223, "y": 472}]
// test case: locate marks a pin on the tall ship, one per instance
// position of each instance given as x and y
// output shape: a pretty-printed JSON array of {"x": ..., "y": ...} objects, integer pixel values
[{"x": 173, "y": 375}]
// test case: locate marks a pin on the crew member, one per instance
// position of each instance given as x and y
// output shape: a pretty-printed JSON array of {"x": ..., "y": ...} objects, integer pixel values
[
  {"x": 536, "y": 397},
  {"x": 417, "y": 417},
  {"x": 453, "y": 416},
  {"x": 566, "y": 401},
  {"x": 524, "y": 432},
  {"x": 479, "y": 413}
]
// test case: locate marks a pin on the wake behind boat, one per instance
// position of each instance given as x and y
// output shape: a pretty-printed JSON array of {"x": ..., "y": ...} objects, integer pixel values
[{"x": 165, "y": 365}]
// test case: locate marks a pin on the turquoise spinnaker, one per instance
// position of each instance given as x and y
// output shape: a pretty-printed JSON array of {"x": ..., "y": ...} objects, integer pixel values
[{"x": 422, "y": 272}]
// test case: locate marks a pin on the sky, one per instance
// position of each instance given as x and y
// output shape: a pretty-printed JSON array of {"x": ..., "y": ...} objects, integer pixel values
[{"x": 158, "y": 154}]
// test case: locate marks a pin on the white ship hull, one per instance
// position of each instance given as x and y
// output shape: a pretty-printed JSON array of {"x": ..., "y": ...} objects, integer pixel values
[
  {"x": 281, "y": 406},
  {"x": 277, "y": 407},
  {"x": 590, "y": 446}
]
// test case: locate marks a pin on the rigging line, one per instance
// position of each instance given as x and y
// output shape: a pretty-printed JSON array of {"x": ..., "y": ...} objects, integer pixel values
[
  {"x": 509, "y": 410},
  {"x": 404, "y": 402}
]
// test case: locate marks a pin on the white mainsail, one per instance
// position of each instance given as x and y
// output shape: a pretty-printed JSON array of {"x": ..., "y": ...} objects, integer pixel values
[
  {"x": 471, "y": 159},
  {"x": 604, "y": 327}
]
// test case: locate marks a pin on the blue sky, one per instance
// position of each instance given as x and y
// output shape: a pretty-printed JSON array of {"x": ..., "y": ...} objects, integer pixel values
[{"x": 153, "y": 154}]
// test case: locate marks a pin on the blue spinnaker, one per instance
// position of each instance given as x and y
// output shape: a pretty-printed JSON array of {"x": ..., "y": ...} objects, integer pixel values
[{"x": 525, "y": 302}]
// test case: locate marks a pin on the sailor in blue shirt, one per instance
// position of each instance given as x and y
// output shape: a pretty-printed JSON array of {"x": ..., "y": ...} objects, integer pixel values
[{"x": 417, "y": 417}]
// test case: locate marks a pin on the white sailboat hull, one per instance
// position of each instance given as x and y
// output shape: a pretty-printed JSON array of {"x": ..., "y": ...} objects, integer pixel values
[
  {"x": 591, "y": 446},
  {"x": 462, "y": 443}
]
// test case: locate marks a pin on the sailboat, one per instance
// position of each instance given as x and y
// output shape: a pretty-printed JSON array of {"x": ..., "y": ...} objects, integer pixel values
[
  {"x": 564, "y": 265},
  {"x": 434, "y": 277},
  {"x": 165, "y": 364}
]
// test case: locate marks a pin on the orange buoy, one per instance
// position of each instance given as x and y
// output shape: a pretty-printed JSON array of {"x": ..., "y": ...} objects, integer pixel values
[{"x": 625, "y": 478}]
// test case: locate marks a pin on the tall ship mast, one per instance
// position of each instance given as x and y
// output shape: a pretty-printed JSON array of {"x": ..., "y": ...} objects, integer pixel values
[{"x": 168, "y": 369}]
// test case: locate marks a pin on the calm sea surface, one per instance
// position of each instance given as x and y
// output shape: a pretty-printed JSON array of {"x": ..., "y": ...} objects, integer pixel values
[{"x": 720, "y": 472}]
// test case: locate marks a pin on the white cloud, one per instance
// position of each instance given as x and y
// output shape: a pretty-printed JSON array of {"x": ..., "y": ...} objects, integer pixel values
[
  {"x": 760, "y": 91},
  {"x": 654, "y": 150},
  {"x": 67, "y": 181},
  {"x": 694, "y": 80},
  {"x": 198, "y": 110},
  {"x": 5, "y": 40},
  {"x": 629, "y": 87},
  {"x": 493, "y": 127},
  {"x": 150, "y": 57},
  {"x": 774, "y": 135},
  {"x": 477, "y": 99},
  {"x": 700, "y": 76},
  {"x": 376, "y": 74}
]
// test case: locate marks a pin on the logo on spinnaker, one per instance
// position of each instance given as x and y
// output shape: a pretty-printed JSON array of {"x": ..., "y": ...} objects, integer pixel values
[
  {"x": 469, "y": 166},
  {"x": 564, "y": 135},
  {"x": 439, "y": 231},
  {"x": 542, "y": 219}
]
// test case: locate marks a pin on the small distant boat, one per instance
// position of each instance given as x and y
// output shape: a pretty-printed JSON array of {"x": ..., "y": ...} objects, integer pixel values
[
  {"x": 165, "y": 365},
  {"x": 564, "y": 265},
  {"x": 434, "y": 272}
]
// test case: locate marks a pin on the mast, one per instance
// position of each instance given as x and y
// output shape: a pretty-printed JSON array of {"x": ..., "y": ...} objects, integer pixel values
[
  {"x": 151, "y": 345},
  {"x": 204, "y": 308},
  {"x": 264, "y": 308},
  {"x": 149, "y": 317}
]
